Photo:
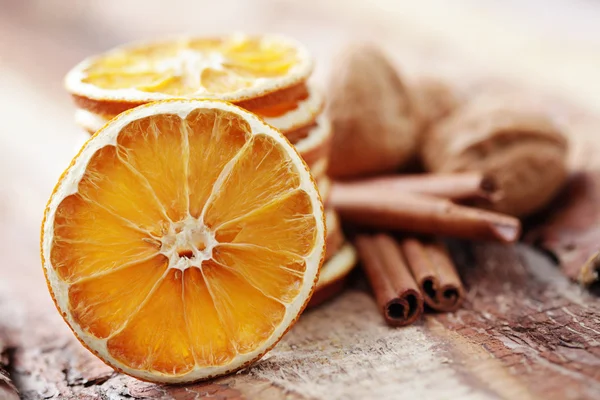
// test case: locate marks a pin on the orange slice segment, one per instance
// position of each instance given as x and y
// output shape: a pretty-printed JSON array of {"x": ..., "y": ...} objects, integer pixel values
[
  {"x": 114, "y": 295},
  {"x": 184, "y": 240},
  {"x": 81, "y": 249},
  {"x": 155, "y": 337},
  {"x": 210, "y": 343},
  {"x": 247, "y": 314},
  {"x": 277, "y": 273},
  {"x": 233, "y": 68}
]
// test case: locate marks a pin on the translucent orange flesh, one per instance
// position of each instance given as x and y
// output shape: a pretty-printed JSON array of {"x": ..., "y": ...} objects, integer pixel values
[
  {"x": 116, "y": 241},
  {"x": 195, "y": 66}
]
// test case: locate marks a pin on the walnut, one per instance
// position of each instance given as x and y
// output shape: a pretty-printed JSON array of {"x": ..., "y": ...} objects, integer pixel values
[
  {"x": 434, "y": 100},
  {"x": 508, "y": 138},
  {"x": 374, "y": 120}
]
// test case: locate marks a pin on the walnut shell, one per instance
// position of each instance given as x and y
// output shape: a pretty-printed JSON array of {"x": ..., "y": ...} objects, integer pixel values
[
  {"x": 374, "y": 123},
  {"x": 511, "y": 141},
  {"x": 434, "y": 100}
]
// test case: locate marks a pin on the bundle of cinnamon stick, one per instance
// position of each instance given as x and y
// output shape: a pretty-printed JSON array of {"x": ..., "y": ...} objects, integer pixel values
[
  {"x": 488, "y": 160},
  {"x": 408, "y": 272}
]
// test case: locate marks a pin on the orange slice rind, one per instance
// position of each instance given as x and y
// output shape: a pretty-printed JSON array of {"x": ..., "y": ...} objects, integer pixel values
[
  {"x": 335, "y": 236},
  {"x": 183, "y": 241},
  {"x": 319, "y": 168},
  {"x": 324, "y": 185},
  {"x": 234, "y": 68},
  {"x": 317, "y": 144},
  {"x": 89, "y": 121},
  {"x": 304, "y": 113},
  {"x": 334, "y": 274},
  {"x": 337, "y": 266}
]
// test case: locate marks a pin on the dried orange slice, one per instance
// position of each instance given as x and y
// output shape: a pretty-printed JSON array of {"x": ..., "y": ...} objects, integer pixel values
[
  {"x": 254, "y": 70},
  {"x": 314, "y": 148},
  {"x": 184, "y": 240},
  {"x": 288, "y": 118},
  {"x": 324, "y": 185},
  {"x": 90, "y": 121},
  {"x": 302, "y": 114},
  {"x": 335, "y": 237},
  {"x": 318, "y": 169},
  {"x": 316, "y": 145},
  {"x": 334, "y": 274}
]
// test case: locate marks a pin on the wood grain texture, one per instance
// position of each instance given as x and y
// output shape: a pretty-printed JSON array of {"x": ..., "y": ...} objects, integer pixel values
[
  {"x": 570, "y": 232},
  {"x": 8, "y": 391},
  {"x": 524, "y": 332},
  {"x": 524, "y": 313}
]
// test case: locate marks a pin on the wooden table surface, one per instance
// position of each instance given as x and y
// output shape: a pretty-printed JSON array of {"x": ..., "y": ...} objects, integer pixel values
[{"x": 525, "y": 330}]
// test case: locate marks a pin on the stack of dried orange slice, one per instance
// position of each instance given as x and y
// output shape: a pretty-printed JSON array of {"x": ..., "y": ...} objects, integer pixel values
[
  {"x": 266, "y": 75},
  {"x": 188, "y": 234}
]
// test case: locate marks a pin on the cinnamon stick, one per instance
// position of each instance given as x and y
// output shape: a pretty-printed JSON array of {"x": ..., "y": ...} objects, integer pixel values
[
  {"x": 381, "y": 208},
  {"x": 453, "y": 186},
  {"x": 435, "y": 273},
  {"x": 396, "y": 292}
]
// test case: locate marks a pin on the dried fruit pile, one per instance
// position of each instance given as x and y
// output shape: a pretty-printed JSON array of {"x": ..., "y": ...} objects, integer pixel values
[
  {"x": 187, "y": 235},
  {"x": 265, "y": 75}
]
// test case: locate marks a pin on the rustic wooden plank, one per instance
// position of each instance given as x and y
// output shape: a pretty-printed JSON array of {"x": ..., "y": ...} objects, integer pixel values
[
  {"x": 571, "y": 233},
  {"x": 524, "y": 332},
  {"x": 47, "y": 362},
  {"x": 8, "y": 391},
  {"x": 523, "y": 312}
]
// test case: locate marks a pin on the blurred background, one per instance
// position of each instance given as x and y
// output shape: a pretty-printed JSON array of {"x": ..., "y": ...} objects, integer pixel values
[{"x": 554, "y": 44}]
